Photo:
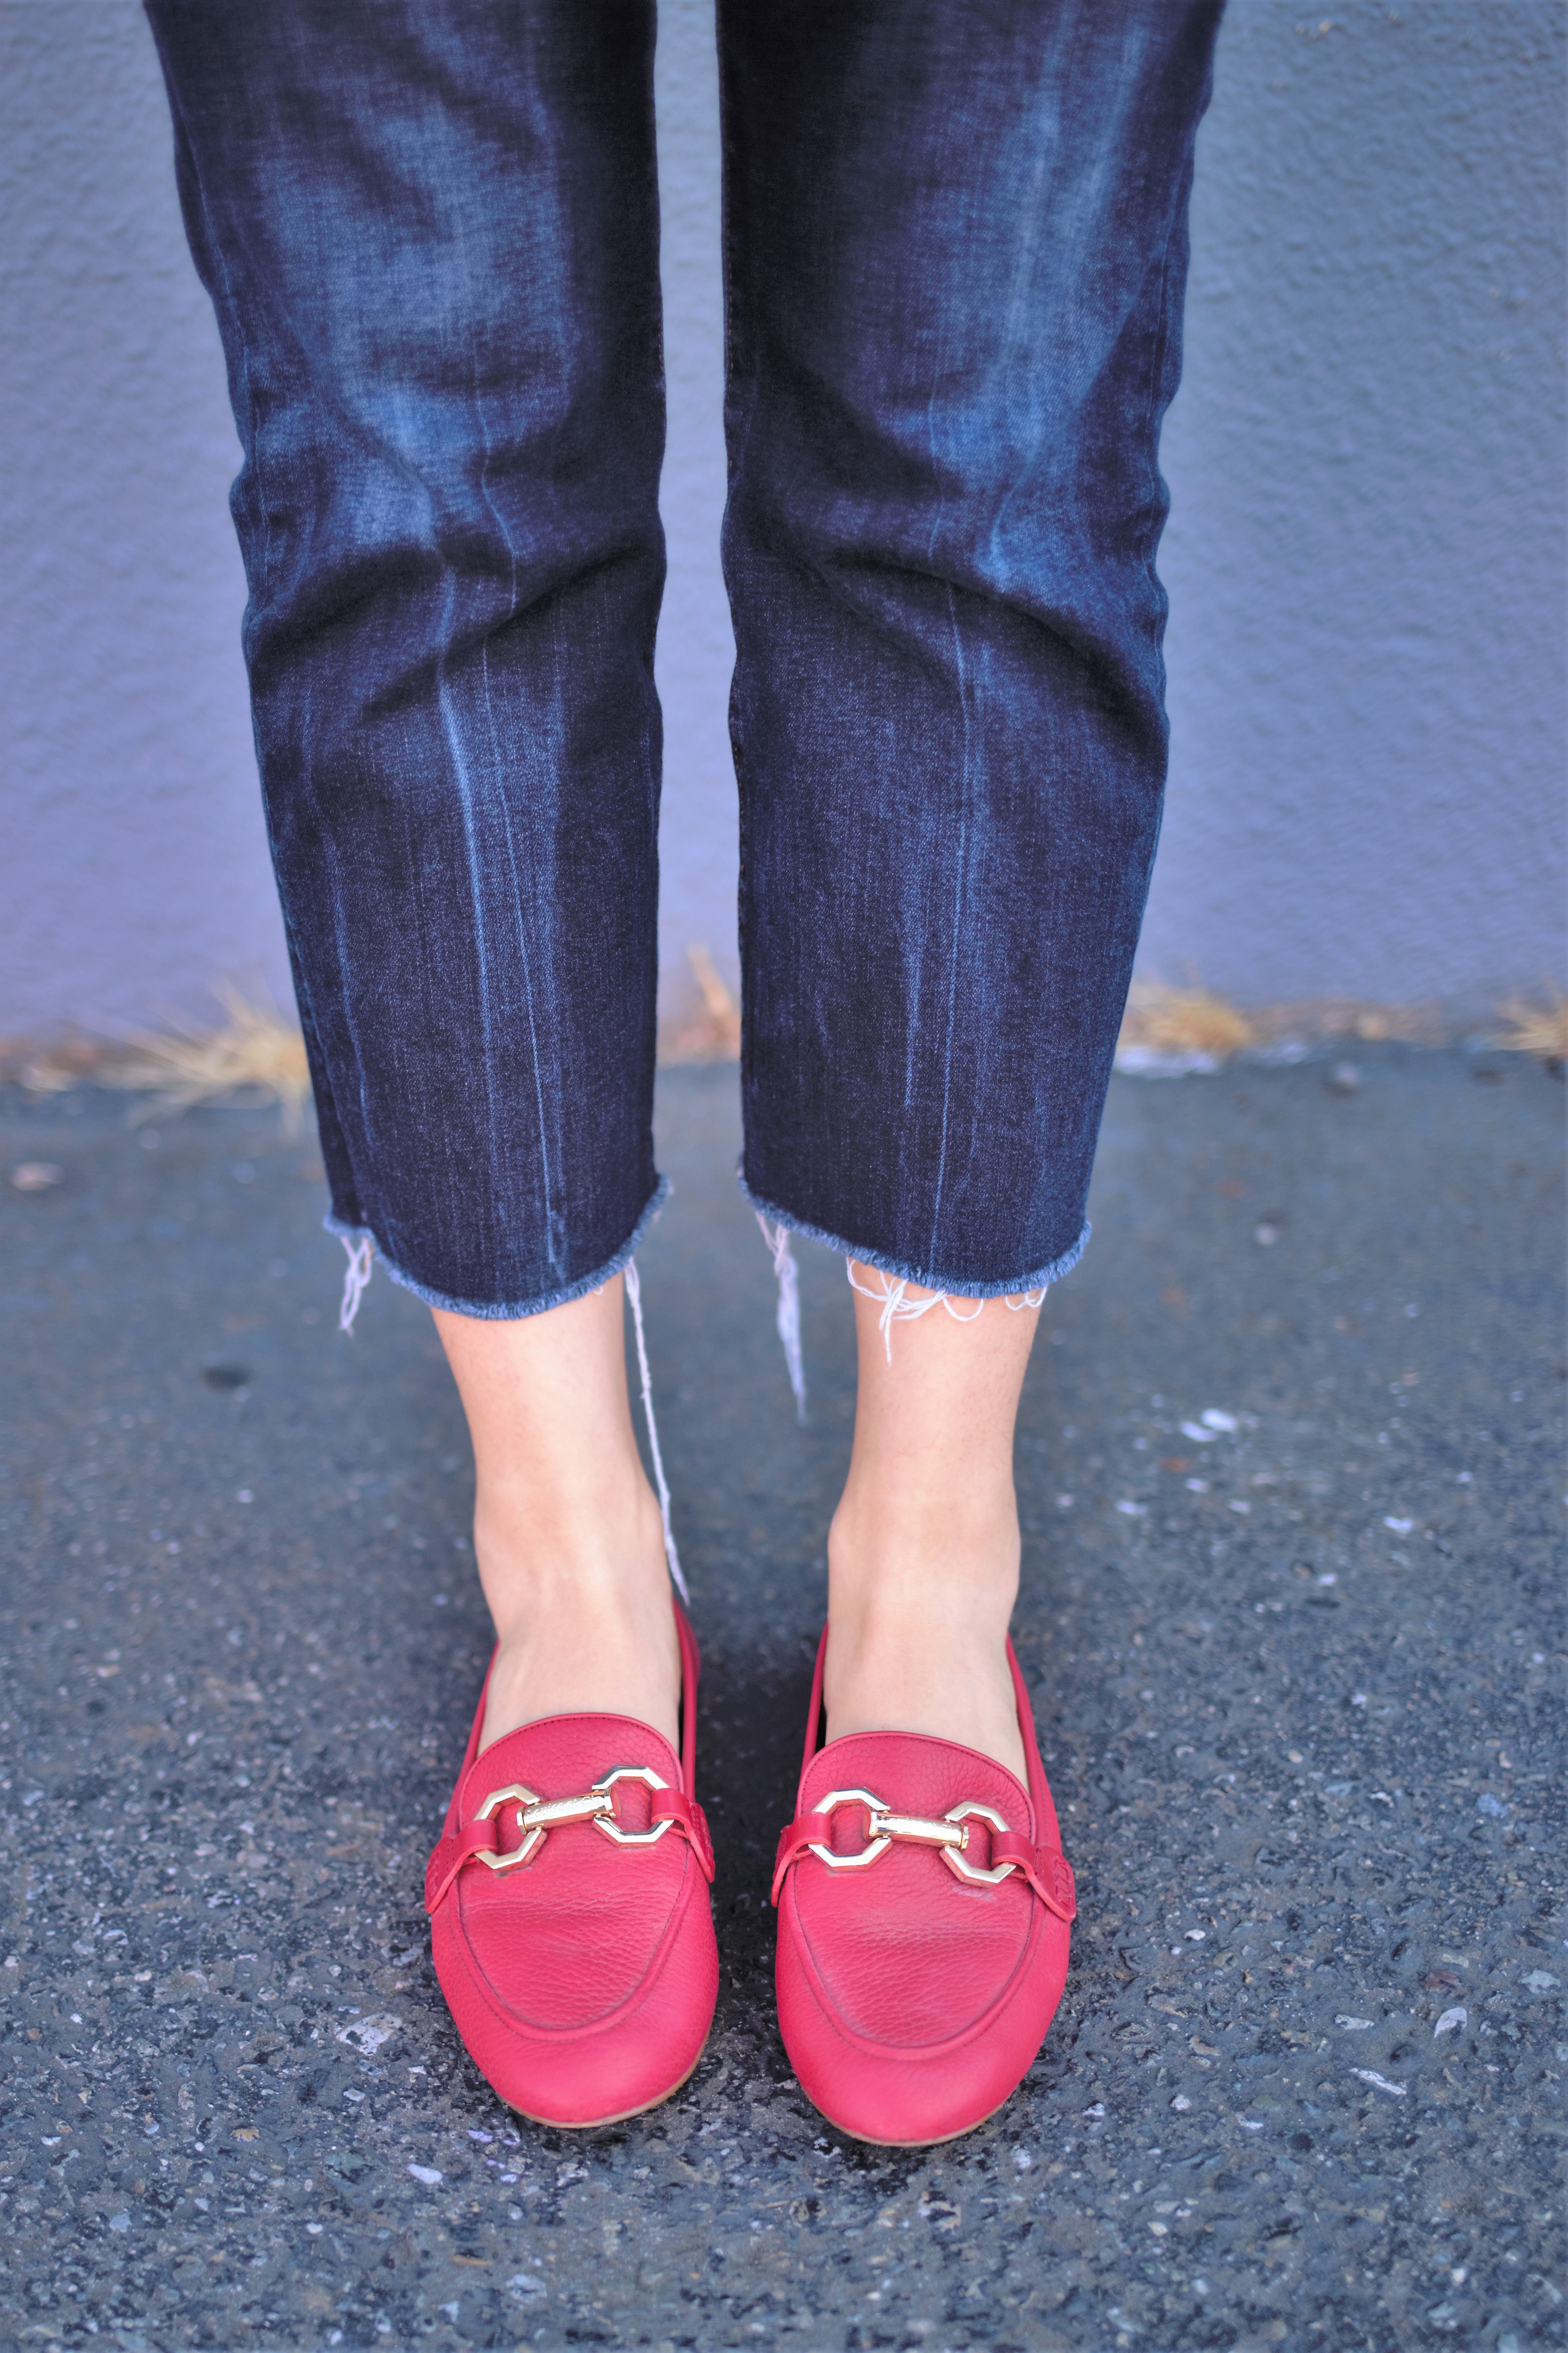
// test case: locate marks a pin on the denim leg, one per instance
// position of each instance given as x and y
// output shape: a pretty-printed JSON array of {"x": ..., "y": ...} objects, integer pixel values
[
  {"x": 956, "y": 242},
  {"x": 429, "y": 229}
]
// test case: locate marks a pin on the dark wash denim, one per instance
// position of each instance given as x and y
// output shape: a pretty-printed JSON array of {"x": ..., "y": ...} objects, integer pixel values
[{"x": 955, "y": 251}]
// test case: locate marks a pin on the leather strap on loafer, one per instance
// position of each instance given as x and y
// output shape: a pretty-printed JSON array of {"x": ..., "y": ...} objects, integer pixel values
[
  {"x": 673, "y": 1806},
  {"x": 1046, "y": 1868}
]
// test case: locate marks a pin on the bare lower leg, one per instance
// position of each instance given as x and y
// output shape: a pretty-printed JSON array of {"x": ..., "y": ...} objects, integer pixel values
[
  {"x": 566, "y": 1530},
  {"x": 924, "y": 1552}
]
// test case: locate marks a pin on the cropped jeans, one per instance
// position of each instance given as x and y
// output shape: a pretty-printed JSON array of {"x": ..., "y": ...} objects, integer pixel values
[{"x": 955, "y": 249}]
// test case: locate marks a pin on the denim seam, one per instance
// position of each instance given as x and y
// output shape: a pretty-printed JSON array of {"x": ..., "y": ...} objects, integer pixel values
[
  {"x": 510, "y": 1312},
  {"x": 1039, "y": 1280}
]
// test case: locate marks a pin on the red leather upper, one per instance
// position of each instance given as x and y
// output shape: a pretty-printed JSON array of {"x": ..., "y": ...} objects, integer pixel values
[
  {"x": 583, "y": 1982},
  {"x": 912, "y": 2001}
]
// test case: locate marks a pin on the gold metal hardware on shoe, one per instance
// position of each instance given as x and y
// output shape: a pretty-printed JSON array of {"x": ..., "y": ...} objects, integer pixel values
[
  {"x": 533, "y": 1838},
  {"x": 953, "y": 1854},
  {"x": 605, "y": 1821},
  {"x": 950, "y": 1835},
  {"x": 879, "y": 1840},
  {"x": 918, "y": 1831},
  {"x": 537, "y": 1816}
]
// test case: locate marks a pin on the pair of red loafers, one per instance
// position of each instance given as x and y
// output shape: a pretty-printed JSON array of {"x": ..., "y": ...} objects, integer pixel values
[{"x": 925, "y": 1909}]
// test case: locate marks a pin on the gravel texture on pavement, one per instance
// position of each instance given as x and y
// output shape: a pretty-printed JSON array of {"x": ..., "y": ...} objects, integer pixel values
[{"x": 1290, "y": 1465}]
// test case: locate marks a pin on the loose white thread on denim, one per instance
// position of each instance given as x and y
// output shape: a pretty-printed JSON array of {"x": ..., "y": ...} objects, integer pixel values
[
  {"x": 634, "y": 1294},
  {"x": 360, "y": 1252},
  {"x": 789, "y": 1309},
  {"x": 898, "y": 1307}
]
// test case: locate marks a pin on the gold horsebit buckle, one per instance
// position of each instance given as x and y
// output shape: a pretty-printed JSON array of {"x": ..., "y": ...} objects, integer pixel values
[
  {"x": 537, "y": 1816},
  {"x": 951, "y": 1834}
]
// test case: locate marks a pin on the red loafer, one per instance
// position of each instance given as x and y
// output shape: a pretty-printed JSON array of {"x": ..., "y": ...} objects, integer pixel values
[
  {"x": 925, "y": 1909},
  {"x": 569, "y": 1917}
]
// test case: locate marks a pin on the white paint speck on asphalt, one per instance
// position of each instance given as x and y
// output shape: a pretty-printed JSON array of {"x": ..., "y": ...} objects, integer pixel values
[
  {"x": 366, "y": 2034},
  {"x": 1380, "y": 2083}
]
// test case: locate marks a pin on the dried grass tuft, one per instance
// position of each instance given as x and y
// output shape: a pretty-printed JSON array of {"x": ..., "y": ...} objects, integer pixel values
[
  {"x": 1535, "y": 1028},
  {"x": 1182, "y": 1020},
  {"x": 255, "y": 1051},
  {"x": 51, "y": 1069},
  {"x": 1314, "y": 1020}
]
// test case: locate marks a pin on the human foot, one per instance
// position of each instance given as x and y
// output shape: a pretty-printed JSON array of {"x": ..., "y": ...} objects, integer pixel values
[
  {"x": 923, "y": 1554},
  {"x": 567, "y": 1535},
  {"x": 918, "y": 1641},
  {"x": 596, "y": 1635}
]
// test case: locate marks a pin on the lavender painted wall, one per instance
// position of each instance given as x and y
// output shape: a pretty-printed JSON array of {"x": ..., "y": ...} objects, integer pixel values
[
  {"x": 1365, "y": 550},
  {"x": 1364, "y": 557}
]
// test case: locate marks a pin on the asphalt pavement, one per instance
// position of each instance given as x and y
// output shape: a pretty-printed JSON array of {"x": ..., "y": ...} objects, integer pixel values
[{"x": 1291, "y": 1470}]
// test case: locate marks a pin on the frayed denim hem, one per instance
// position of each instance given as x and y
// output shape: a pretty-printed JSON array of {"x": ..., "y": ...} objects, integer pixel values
[
  {"x": 360, "y": 1241},
  {"x": 1040, "y": 1280}
]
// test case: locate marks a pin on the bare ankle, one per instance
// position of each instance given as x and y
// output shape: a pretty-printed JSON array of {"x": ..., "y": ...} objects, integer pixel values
[
  {"x": 883, "y": 1560},
  {"x": 917, "y": 1618},
  {"x": 567, "y": 1534},
  {"x": 529, "y": 1536},
  {"x": 583, "y": 1638}
]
